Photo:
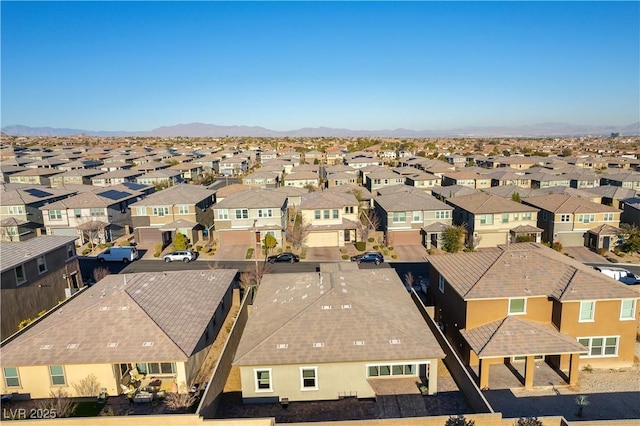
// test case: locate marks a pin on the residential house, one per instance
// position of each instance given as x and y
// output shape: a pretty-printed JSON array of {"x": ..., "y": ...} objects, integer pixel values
[
  {"x": 361, "y": 160},
  {"x": 262, "y": 179},
  {"x": 302, "y": 179},
  {"x": 181, "y": 208},
  {"x": 611, "y": 195},
  {"x": 7, "y": 170},
  {"x": 233, "y": 166},
  {"x": 335, "y": 155},
  {"x": 443, "y": 193},
  {"x": 36, "y": 275},
  {"x": 381, "y": 178},
  {"x": 245, "y": 218},
  {"x": 362, "y": 194},
  {"x": 295, "y": 346},
  {"x": 313, "y": 157},
  {"x": 627, "y": 180},
  {"x": 566, "y": 219},
  {"x": 516, "y": 162},
  {"x": 506, "y": 177},
  {"x": 99, "y": 215},
  {"x": 190, "y": 171},
  {"x": 35, "y": 176},
  {"x": 631, "y": 211},
  {"x": 472, "y": 180},
  {"x": 209, "y": 163},
  {"x": 456, "y": 159},
  {"x": 332, "y": 218},
  {"x": 127, "y": 330},
  {"x": 411, "y": 216},
  {"x": 528, "y": 303},
  {"x": 161, "y": 178},
  {"x": 341, "y": 178},
  {"x": 267, "y": 155},
  {"x": 583, "y": 180},
  {"x": 491, "y": 220},
  {"x": 75, "y": 177},
  {"x": 422, "y": 180},
  {"x": 116, "y": 177},
  {"x": 541, "y": 180}
]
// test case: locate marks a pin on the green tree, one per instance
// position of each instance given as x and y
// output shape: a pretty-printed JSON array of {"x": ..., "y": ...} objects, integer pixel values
[
  {"x": 180, "y": 241},
  {"x": 453, "y": 238},
  {"x": 268, "y": 243},
  {"x": 630, "y": 235},
  {"x": 459, "y": 420},
  {"x": 516, "y": 197},
  {"x": 566, "y": 152}
]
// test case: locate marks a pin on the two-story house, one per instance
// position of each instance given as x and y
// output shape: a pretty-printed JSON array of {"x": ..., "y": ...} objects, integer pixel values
[
  {"x": 35, "y": 176},
  {"x": 525, "y": 303},
  {"x": 116, "y": 177},
  {"x": 333, "y": 218},
  {"x": 262, "y": 179},
  {"x": 491, "y": 220},
  {"x": 302, "y": 179},
  {"x": 382, "y": 178},
  {"x": 36, "y": 275},
  {"x": 465, "y": 178},
  {"x": 181, "y": 208},
  {"x": 567, "y": 219}
]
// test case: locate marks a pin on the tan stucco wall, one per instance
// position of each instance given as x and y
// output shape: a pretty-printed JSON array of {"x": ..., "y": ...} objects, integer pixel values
[{"x": 483, "y": 311}]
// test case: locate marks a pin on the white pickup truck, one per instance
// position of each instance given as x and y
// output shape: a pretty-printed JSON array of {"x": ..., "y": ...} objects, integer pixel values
[{"x": 619, "y": 274}]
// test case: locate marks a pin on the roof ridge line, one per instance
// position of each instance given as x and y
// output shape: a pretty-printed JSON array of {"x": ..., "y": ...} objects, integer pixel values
[
  {"x": 492, "y": 334},
  {"x": 566, "y": 287},
  {"x": 484, "y": 273}
]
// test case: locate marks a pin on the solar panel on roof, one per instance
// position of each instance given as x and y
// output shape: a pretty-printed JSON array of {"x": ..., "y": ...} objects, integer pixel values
[
  {"x": 113, "y": 194},
  {"x": 37, "y": 192}
]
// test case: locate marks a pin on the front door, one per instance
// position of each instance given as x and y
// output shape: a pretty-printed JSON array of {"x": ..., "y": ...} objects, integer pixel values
[
  {"x": 347, "y": 235},
  {"x": 258, "y": 237}
]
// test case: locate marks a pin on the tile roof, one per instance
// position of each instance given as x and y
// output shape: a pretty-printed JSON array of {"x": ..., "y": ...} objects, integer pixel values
[
  {"x": 453, "y": 191},
  {"x": 254, "y": 198},
  {"x": 15, "y": 253},
  {"x": 513, "y": 336},
  {"x": 562, "y": 203},
  {"x": 482, "y": 203},
  {"x": 30, "y": 194},
  {"x": 410, "y": 201},
  {"x": 170, "y": 309},
  {"x": 341, "y": 314},
  {"x": 177, "y": 194},
  {"x": 322, "y": 199},
  {"x": 525, "y": 270}
]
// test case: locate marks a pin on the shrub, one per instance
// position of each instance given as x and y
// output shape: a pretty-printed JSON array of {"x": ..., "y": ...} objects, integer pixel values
[
  {"x": 361, "y": 245},
  {"x": 459, "y": 420},
  {"x": 198, "y": 248},
  {"x": 109, "y": 245},
  {"x": 345, "y": 256},
  {"x": 371, "y": 239},
  {"x": 557, "y": 246},
  {"x": 156, "y": 254},
  {"x": 602, "y": 251},
  {"x": 390, "y": 248},
  {"x": 528, "y": 421},
  {"x": 394, "y": 256},
  {"x": 86, "y": 251},
  {"x": 376, "y": 247},
  {"x": 612, "y": 259},
  {"x": 59, "y": 403},
  {"x": 249, "y": 254},
  {"x": 288, "y": 248},
  {"x": 158, "y": 248}
]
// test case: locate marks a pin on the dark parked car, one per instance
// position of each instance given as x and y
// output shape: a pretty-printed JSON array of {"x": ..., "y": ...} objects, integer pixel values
[
  {"x": 369, "y": 256},
  {"x": 284, "y": 257}
]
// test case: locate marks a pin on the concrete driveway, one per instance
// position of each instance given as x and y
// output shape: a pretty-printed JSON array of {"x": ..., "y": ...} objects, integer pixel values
[{"x": 231, "y": 252}]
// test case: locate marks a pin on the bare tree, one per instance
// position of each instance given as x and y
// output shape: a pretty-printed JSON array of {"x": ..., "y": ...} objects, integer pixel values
[
  {"x": 176, "y": 401},
  {"x": 89, "y": 386},
  {"x": 409, "y": 280},
  {"x": 100, "y": 272},
  {"x": 58, "y": 402},
  {"x": 299, "y": 232}
]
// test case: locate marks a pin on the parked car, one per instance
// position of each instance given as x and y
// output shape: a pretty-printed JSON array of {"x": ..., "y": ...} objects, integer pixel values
[
  {"x": 619, "y": 274},
  {"x": 118, "y": 254},
  {"x": 368, "y": 257},
  {"x": 180, "y": 256},
  {"x": 284, "y": 257}
]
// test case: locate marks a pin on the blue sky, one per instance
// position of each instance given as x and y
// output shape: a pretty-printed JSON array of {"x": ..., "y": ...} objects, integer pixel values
[{"x": 286, "y": 65}]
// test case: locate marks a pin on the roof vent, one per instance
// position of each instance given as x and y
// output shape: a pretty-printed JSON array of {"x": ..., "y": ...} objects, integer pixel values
[
  {"x": 508, "y": 333},
  {"x": 326, "y": 307},
  {"x": 73, "y": 346},
  {"x": 318, "y": 345},
  {"x": 112, "y": 344},
  {"x": 394, "y": 341},
  {"x": 282, "y": 346},
  {"x": 346, "y": 306},
  {"x": 146, "y": 344},
  {"x": 46, "y": 347},
  {"x": 104, "y": 308},
  {"x": 358, "y": 343},
  {"x": 531, "y": 331}
]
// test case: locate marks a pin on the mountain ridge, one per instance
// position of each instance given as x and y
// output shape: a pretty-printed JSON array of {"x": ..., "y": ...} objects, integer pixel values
[{"x": 212, "y": 130}]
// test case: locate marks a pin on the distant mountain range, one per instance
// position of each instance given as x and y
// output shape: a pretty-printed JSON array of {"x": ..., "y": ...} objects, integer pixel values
[{"x": 212, "y": 130}]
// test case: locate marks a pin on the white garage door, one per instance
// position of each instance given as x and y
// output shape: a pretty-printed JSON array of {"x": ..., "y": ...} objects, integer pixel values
[{"x": 323, "y": 239}]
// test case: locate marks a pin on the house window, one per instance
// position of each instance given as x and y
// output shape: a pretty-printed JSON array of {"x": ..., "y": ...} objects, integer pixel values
[
  {"x": 21, "y": 277},
  {"x": 317, "y": 214},
  {"x": 15, "y": 210},
  {"x": 399, "y": 217},
  {"x": 326, "y": 214},
  {"x": 628, "y": 309},
  {"x": 416, "y": 216},
  {"x": 586, "y": 218},
  {"x": 55, "y": 215},
  {"x": 391, "y": 370},
  {"x": 71, "y": 251},
  {"x": 11, "y": 378},
  {"x": 156, "y": 367},
  {"x": 486, "y": 219},
  {"x": 57, "y": 375},
  {"x": 601, "y": 346},
  {"x": 141, "y": 211},
  {"x": 96, "y": 212},
  {"x": 42, "y": 265},
  {"x": 505, "y": 217},
  {"x": 587, "y": 311},
  {"x": 565, "y": 218},
  {"x": 517, "y": 306},
  {"x": 308, "y": 378},
  {"x": 223, "y": 214},
  {"x": 608, "y": 217},
  {"x": 242, "y": 214},
  {"x": 516, "y": 217},
  {"x": 183, "y": 209},
  {"x": 77, "y": 213},
  {"x": 544, "y": 215},
  {"x": 161, "y": 211},
  {"x": 263, "y": 380},
  {"x": 348, "y": 210},
  {"x": 526, "y": 216},
  {"x": 336, "y": 214},
  {"x": 443, "y": 214},
  {"x": 441, "y": 284},
  {"x": 265, "y": 213}
]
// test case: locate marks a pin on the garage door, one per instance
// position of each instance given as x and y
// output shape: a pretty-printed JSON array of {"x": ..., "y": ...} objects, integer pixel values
[
  {"x": 148, "y": 235},
  {"x": 491, "y": 239},
  {"x": 66, "y": 232},
  {"x": 405, "y": 238},
  {"x": 233, "y": 238},
  {"x": 322, "y": 239}
]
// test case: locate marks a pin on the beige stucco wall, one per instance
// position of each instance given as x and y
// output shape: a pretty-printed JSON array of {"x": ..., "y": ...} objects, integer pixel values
[
  {"x": 480, "y": 312},
  {"x": 333, "y": 380}
]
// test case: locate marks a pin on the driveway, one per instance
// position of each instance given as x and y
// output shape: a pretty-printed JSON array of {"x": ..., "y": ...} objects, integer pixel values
[{"x": 231, "y": 252}]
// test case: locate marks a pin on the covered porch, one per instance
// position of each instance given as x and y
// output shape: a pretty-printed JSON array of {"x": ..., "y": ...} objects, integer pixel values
[
  {"x": 432, "y": 235},
  {"x": 522, "y": 346},
  {"x": 525, "y": 233}
]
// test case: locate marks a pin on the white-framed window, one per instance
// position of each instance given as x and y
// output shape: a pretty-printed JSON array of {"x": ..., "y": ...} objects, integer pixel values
[
  {"x": 16, "y": 210},
  {"x": 317, "y": 214},
  {"x": 526, "y": 216},
  {"x": 223, "y": 214},
  {"x": 77, "y": 213},
  {"x": 55, "y": 215},
  {"x": 587, "y": 311},
  {"x": 242, "y": 213},
  {"x": 265, "y": 212},
  {"x": 308, "y": 378},
  {"x": 417, "y": 216},
  {"x": 348, "y": 210},
  {"x": 161, "y": 211},
  {"x": 517, "y": 306},
  {"x": 326, "y": 214},
  {"x": 600, "y": 346},
  {"x": 21, "y": 276},
  {"x": 628, "y": 309},
  {"x": 385, "y": 370},
  {"x": 11, "y": 377},
  {"x": 516, "y": 217},
  {"x": 42, "y": 264},
  {"x": 71, "y": 251},
  {"x": 56, "y": 372},
  {"x": 96, "y": 212},
  {"x": 183, "y": 209},
  {"x": 608, "y": 217},
  {"x": 141, "y": 211},
  {"x": 441, "y": 284},
  {"x": 443, "y": 214},
  {"x": 505, "y": 217},
  {"x": 565, "y": 218},
  {"x": 336, "y": 214},
  {"x": 263, "y": 380},
  {"x": 586, "y": 218},
  {"x": 399, "y": 217},
  {"x": 486, "y": 219}
]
